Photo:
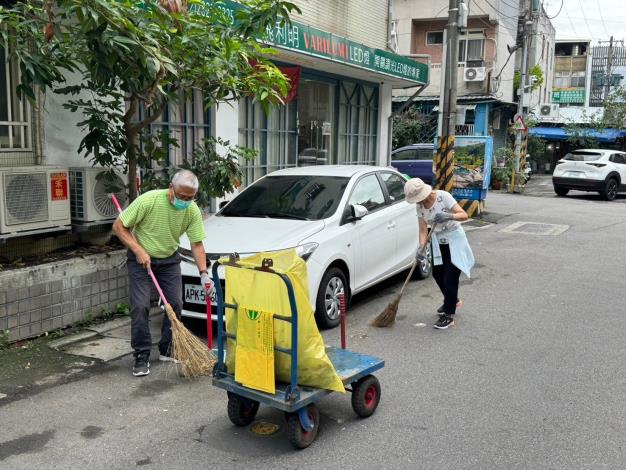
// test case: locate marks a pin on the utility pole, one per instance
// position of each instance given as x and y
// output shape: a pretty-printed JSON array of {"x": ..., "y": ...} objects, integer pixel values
[
  {"x": 520, "y": 134},
  {"x": 609, "y": 71},
  {"x": 444, "y": 162}
]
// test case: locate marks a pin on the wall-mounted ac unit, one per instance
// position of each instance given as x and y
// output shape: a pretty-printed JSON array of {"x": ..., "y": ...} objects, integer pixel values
[
  {"x": 90, "y": 193},
  {"x": 475, "y": 74},
  {"x": 33, "y": 198},
  {"x": 549, "y": 111}
]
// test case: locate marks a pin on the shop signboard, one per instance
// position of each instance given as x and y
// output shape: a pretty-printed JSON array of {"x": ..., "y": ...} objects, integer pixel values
[
  {"x": 315, "y": 42},
  {"x": 568, "y": 95},
  {"x": 473, "y": 157}
]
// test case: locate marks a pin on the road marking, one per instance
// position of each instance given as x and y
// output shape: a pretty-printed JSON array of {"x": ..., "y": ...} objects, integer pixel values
[{"x": 536, "y": 228}]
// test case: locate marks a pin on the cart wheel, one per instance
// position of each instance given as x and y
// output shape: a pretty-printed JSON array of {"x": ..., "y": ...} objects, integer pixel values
[
  {"x": 365, "y": 396},
  {"x": 241, "y": 411},
  {"x": 298, "y": 437}
]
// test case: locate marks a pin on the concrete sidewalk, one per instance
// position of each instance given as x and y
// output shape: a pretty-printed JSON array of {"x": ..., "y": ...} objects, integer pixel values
[{"x": 107, "y": 341}]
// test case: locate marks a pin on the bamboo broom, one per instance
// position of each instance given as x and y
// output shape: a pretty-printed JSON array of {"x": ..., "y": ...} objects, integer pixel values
[{"x": 388, "y": 316}]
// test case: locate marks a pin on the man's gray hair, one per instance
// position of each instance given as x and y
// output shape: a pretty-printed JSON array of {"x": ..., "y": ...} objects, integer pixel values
[{"x": 185, "y": 179}]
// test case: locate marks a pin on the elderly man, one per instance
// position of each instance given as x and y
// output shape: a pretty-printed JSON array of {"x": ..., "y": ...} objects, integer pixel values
[{"x": 158, "y": 219}]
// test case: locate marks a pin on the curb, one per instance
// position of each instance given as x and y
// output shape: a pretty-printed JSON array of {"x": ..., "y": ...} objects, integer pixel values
[{"x": 96, "y": 330}]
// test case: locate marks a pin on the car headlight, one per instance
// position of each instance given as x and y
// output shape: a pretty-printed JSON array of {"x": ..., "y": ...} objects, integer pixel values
[{"x": 305, "y": 250}]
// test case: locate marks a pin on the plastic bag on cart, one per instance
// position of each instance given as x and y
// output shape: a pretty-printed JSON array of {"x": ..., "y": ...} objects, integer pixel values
[
  {"x": 258, "y": 290},
  {"x": 255, "y": 350}
]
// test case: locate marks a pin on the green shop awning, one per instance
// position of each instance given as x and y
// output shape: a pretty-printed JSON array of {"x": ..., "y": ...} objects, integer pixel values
[{"x": 313, "y": 42}]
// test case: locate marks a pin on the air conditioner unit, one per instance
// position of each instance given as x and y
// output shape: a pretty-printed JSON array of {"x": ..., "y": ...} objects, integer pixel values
[
  {"x": 90, "y": 193},
  {"x": 549, "y": 111},
  {"x": 475, "y": 74},
  {"x": 33, "y": 198}
]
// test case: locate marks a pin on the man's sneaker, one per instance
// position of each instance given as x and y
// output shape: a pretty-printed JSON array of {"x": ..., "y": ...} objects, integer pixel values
[
  {"x": 444, "y": 322},
  {"x": 142, "y": 365},
  {"x": 459, "y": 304},
  {"x": 167, "y": 358}
]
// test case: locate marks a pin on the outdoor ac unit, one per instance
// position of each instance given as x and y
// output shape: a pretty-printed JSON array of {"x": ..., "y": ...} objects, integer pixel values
[
  {"x": 90, "y": 193},
  {"x": 549, "y": 111},
  {"x": 33, "y": 198},
  {"x": 475, "y": 74}
]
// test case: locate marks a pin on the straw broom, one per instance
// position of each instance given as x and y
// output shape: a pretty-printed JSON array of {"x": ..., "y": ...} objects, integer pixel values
[
  {"x": 193, "y": 356},
  {"x": 388, "y": 316}
]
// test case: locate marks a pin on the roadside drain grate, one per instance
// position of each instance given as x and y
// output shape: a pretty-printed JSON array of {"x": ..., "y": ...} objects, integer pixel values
[{"x": 534, "y": 228}]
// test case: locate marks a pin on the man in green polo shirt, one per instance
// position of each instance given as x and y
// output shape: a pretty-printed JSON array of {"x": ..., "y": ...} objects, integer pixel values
[{"x": 157, "y": 219}]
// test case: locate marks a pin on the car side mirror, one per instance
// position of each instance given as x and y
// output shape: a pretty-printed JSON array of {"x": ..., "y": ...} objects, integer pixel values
[
  {"x": 223, "y": 204},
  {"x": 357, "y": 212}
]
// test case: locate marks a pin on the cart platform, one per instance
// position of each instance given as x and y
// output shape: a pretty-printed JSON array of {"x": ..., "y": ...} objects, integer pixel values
[{"x": 350, "y": 366}]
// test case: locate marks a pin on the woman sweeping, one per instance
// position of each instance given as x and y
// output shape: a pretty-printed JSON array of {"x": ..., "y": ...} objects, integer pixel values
[{"x": 451, "y": 251}]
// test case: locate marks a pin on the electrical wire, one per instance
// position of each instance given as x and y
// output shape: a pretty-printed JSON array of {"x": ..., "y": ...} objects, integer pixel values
[
  {"x": 606, "y": 31},
  {"x": 582, "y": 9},
  {"x": 560, "y": 10},
  {"x": 571, "y": 23}
]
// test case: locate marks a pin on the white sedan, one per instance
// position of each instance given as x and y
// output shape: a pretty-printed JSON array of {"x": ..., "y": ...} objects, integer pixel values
[{"x": 349, "y": 223}]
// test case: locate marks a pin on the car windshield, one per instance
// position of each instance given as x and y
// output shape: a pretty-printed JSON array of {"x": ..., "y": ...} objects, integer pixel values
[
  {"x": 300, "y": 197},
  {"x": 583, "y": 156}
]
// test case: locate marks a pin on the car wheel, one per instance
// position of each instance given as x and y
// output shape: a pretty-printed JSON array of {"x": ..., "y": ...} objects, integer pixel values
[
  {"x": 561, "y": 191},
  {"x": 425, "y": 268},
  {"x": 327, "y": 310},
  {"x": 609, "y": 192}
]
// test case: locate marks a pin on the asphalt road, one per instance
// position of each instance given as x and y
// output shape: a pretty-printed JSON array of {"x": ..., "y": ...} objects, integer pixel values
[{"x": 532, "y": 376}]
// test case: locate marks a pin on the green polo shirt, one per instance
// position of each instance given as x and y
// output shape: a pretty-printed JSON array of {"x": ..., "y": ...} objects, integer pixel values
[{"x": 158, "y": 226}]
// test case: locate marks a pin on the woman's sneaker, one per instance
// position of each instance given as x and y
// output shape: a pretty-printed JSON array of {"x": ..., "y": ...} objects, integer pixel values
[
  {"x": 459, "y": 304},
  {"x": 142, "y": 364},
  {"x": 444, "y": 322}
]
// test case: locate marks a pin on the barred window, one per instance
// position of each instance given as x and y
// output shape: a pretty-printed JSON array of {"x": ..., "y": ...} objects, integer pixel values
[
  {"x": 15, "y": 113},
  {"x": 358, "y": 123},
  {"x": 273, "y": 135},
  {"x": 187, "y": 122}
]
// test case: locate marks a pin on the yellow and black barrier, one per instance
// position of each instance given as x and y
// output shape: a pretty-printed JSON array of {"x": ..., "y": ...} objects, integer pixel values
[{"x": 444, "y": 163}]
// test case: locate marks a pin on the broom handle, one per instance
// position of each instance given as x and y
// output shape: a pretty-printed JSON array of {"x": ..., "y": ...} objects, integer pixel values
[
  {"x": 152, "y": 276},
  {"x": 428, "y": 237}
]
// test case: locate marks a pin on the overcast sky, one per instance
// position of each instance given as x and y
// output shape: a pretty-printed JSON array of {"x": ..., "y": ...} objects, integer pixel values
[{"x": 588, "y": 19}]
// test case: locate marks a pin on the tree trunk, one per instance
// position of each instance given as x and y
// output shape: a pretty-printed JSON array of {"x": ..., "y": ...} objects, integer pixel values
[{"x": 131, "y": 158}]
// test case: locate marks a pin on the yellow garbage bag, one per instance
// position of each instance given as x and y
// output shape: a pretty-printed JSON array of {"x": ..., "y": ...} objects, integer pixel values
[
  {"x": 255, "y": 350},
  {"x": 267, "y": 292}
]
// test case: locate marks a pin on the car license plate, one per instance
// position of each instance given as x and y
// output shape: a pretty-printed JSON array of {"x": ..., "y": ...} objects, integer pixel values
[
  {"x": 196, "y": 294},
  {"x": 575, "y": 174}
]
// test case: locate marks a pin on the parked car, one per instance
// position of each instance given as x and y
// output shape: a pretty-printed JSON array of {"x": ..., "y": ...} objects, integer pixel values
[
  {"x": 602, "y": 171},
  {"x": 415, "y": 161},
  {"x": 350, "y": 224}
]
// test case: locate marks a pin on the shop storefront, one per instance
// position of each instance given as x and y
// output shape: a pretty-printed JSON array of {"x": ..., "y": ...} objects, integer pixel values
[{"x": 337, "y": 111}]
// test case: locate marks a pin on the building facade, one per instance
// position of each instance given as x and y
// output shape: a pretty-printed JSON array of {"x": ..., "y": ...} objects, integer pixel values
[
  {"x": 487, "y": 61},
  {"x": 572, "y": 80}
]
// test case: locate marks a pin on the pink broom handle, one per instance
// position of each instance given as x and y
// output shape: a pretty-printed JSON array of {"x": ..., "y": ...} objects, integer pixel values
[{"x": 154, "y": 280}]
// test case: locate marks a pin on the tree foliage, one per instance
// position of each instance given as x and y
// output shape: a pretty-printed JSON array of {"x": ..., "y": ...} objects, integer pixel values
[
  {"x": 115, "y": 58},
  {"x": 411, "y": 128}
]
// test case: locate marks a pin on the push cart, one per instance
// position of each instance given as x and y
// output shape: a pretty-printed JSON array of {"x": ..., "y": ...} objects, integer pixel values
[{"x": 298, "y": 402}]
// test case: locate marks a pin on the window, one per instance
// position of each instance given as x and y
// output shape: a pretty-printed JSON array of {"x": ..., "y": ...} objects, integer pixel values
[
  {"x": 273, "y": 135},
  {"x": 434, "y": 37},
  {"x": 368, "y": 193},
  {"x": 15, "y": 114},
  {"x": 358, "y": 123},
  {"x": 289, "y": 197},
  {"x": 618, "y": 158},
  {"x": 408, "y": 154},
  {"x": 471, "y": 45},
  {"x": 394, "y": 185},
  {"x": 425, "y": 154},
  {"x": 187, "y": 122}
]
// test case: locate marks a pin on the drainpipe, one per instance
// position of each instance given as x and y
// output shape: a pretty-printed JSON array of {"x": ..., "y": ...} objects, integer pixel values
[{"x": 389, "y": 23}]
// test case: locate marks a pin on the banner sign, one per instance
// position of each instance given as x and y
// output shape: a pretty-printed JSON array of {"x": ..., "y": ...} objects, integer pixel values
[
  {"x": 472, "y": 167},
  {"x": 315, "y": 42}
]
